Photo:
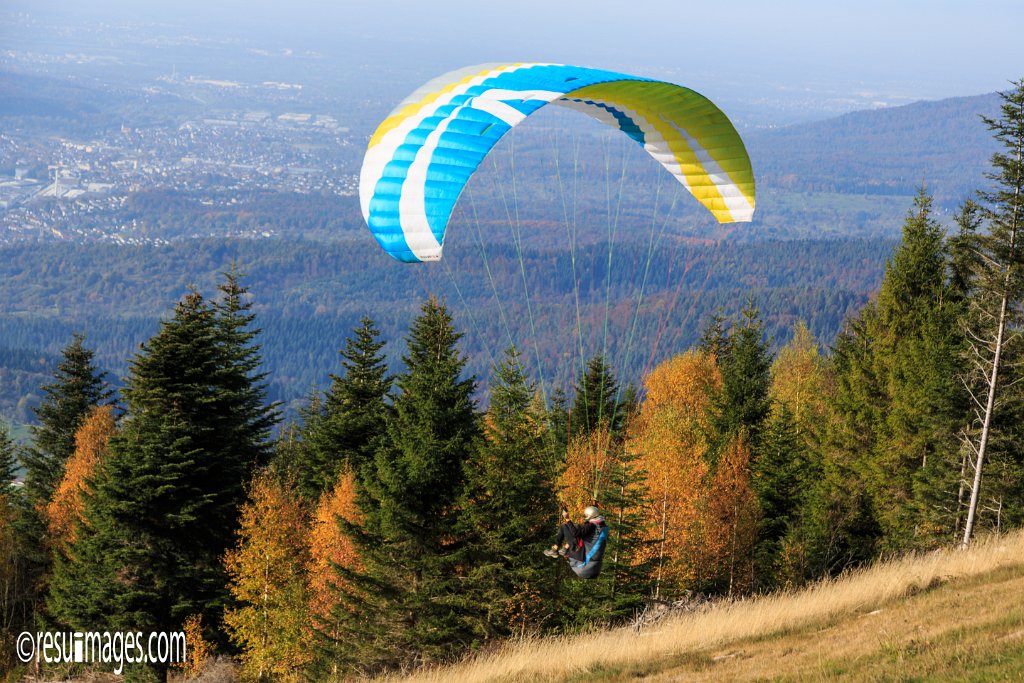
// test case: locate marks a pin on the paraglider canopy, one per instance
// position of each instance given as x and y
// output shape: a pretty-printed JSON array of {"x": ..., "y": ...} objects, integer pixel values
[{"x": 421, "y": 156}]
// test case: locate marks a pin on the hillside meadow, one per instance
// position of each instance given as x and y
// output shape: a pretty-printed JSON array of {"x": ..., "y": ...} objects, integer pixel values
[{"x": 943, "y": 615}]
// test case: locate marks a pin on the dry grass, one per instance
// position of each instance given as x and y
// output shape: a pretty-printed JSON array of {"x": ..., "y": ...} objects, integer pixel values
[{"x": 691, "y": 638}]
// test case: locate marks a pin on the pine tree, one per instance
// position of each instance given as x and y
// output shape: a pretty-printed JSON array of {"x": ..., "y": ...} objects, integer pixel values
[
  {"x": 166, "y": 500},
  {"x": 625, "y": 580},
  {"x": 135, "y": 563},
  {"x": 410, "y": 502},
  {"x": 744, "y": 404},
  {"x": 344, "y": 430},
  {"x": 778, "y": 478},
  {"x": 964, "y": 260},
  {"x": 16, "y": 595},
  {"x": 507, "y": 511},
  {"x": 303, "y": 451},
  {"x": 995, "y": 313},
  {"x": 78, "y": 386},
  {"x": 202, "y": 363},
  {"x": 356, "y": 404},
  {"x": 715, "y": 336},
  {"x": 557, "y": 423},
  {"x": 244, "y": 418},
  {"x": 916, "y": 344},
  {"x": 838, "y": 520},
  {"x": 596, "y": 400},
  {"x": 8, "y": 457},
  {"x": 17, "y": 590}
]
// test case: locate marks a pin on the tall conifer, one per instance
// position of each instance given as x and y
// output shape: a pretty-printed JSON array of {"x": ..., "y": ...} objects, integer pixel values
[
  {"x": 166, "y": 500},
  {"x": 410, "y": 589},
  {"x": 508, "y": 510},
  {"x": 744, "y": 404},
  {"x": 994, "y": 318},
  {"x": 343, "y": 430},
  {"x": 596, "y": 400},
  {"x": 8, "y": 457},
  {"x": 78, "y": 386}
]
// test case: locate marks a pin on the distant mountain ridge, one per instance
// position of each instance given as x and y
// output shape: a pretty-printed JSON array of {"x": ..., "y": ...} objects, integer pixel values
[{"x": 943, "y": 144}]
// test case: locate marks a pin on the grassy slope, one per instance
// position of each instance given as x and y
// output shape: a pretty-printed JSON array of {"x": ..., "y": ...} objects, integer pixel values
[{"x": 942, "y": 616}]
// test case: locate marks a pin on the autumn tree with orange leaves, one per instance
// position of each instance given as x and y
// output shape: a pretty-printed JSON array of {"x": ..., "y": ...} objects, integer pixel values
[
  {"x": 331, "y": 553},
  {"x": 729, "y": 519},
  {"x": 64, "y": 510},
  {"x": 671, "y": 437}
]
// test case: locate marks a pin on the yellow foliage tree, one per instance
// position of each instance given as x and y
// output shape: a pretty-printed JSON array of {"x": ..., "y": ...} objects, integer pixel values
[
  {"x": 729, "y": 519},
  {"x": 670, "y": 436},
  {"x": 267, "y": 572},
  {"x": 800, "y": 381},
  {"x": 198, "y": 648},
  {"x": 64, "y": 510},
  {"x": 589, "y": 460},
  {"x": 330, "y": 547}
]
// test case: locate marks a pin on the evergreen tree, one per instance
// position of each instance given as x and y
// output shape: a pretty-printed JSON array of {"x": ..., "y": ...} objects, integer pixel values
[
  {"x": 410, "y": 589},
  {"x": 136, "y": 563},
  {"x": 715, "y": 335},
  {"x": 777, "y": 477},
  {"x": 16, "y": 594},
  {"x": 964, "y": 260},
  {"x": 994, "y": 319},
  {"x": 344, "y": 430},
  {"x": 744, "y": 404},
  {"x": 240, "y": 385},
  {"x": 78, "y": 386},
  {"x": 557, "y": 423},
  {"x": 507, "y": 512},
  {"x": 202, "y": 363},
  {"x": 8, "y": 457},
  {"x": 166, "y": 500},
  {"x": 839, "y": 527},
  {"x": 357, "y": 402},
  {"x": 916, "y": 343},
  {"x": 596, "y": 400}
]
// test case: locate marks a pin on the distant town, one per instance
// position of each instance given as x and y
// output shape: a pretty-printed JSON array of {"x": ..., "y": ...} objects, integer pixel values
[{"x": 60, "y": 188}]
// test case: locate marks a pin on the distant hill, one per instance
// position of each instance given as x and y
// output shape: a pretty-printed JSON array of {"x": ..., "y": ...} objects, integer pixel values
[
  {"x": 850, "y": 176},
  {"x": 891, "y": 151}
]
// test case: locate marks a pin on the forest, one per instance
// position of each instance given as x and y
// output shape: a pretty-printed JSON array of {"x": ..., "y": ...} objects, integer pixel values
[
  {"x": 310, "y": 294},
  {"x": 398, "y": 522}
]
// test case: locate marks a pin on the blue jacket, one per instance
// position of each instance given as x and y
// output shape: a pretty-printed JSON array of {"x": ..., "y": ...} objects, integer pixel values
[{"x": 587, "y": 558}]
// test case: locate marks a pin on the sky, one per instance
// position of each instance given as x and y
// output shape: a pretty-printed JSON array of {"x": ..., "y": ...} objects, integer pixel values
[{"x": 870, "y": 49}]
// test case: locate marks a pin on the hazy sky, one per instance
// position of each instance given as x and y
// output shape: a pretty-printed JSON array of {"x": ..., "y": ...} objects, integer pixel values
[{"x": 934, "y": 48}]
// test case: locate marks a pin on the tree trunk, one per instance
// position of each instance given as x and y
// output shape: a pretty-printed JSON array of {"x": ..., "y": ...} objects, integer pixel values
[{"x": 1001, "y": 330}]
